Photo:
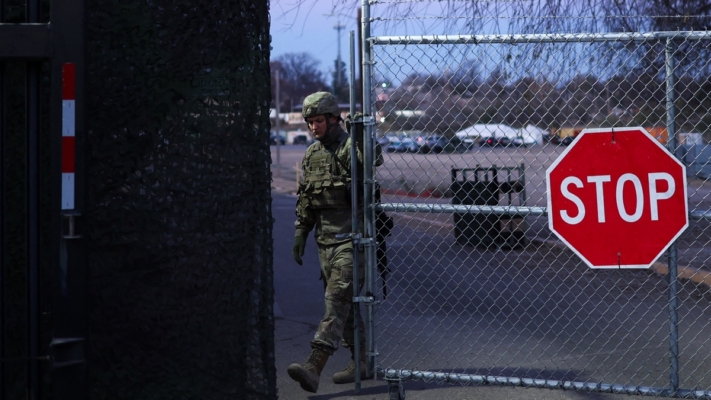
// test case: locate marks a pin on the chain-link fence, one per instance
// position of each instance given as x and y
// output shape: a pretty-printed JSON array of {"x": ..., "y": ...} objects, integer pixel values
[{"x": 480, "y": 290}]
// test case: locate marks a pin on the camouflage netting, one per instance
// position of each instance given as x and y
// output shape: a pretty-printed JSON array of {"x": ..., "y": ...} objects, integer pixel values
[{"x": 179, "y": 215}]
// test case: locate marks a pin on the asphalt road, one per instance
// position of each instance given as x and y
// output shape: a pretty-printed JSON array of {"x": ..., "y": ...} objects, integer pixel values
[{"x": 298, "y": 308}]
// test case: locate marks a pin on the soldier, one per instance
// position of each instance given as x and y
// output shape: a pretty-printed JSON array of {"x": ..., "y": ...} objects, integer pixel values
[{"x": 323, "y": 204}]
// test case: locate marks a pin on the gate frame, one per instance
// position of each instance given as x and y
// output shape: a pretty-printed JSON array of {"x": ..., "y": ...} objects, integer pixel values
[
  {"x": 59, "y": 42},
  {"x": 396, "y": 376}
]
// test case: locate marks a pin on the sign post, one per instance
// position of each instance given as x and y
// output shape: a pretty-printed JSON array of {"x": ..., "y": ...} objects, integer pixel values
[{"x": 617, "y": 198}]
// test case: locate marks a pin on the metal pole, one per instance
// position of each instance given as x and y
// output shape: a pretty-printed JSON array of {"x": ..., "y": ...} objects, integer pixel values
[
  {"x": 354, "y": 220},
  {"x": 32, "y": 126},
  {"x": 360, "y": 46},
  {"x": 369, "y": 214},
  {"x": 337, "y": 77},
  {"x": 69, "y": 267},
  {"x": 278, "y": 135},
  {"x": 3, "y": 131},
  {"x": 32, "y": 116},
  {"x": 673, "y": 281}
]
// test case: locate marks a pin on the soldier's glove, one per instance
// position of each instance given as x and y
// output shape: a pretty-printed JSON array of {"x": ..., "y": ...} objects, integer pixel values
[{"x": 298, "y": 249}]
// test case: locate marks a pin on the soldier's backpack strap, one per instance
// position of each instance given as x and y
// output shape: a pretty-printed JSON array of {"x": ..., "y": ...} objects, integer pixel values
[{"x": 339, "y": 161}]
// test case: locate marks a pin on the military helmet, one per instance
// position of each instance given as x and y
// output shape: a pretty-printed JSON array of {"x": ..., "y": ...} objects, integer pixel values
[{"x": 321, "y": 103}]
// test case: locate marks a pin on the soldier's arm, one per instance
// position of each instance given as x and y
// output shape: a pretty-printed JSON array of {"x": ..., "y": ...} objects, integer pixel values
[
  {"x": 305, "y": 217},
  {"x": 378, "y": 154},
  {"x": 361, "y": 158},
  {"x": 360, "y": 145}
]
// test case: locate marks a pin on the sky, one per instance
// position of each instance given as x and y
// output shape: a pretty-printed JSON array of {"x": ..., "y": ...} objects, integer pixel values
[{"x": 307, "y": 27}]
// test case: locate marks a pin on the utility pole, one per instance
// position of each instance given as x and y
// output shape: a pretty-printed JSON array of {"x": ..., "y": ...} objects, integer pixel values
[
  {"x": 278, "y": 127},
  {"x": 337, "y": 78}
]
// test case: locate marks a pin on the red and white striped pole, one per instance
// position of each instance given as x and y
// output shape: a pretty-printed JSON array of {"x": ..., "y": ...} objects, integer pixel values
[{"x": 68, "y": 134}]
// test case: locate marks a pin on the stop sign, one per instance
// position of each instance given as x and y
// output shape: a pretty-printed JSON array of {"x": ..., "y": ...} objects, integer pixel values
[{"x": 617, "y": 198}]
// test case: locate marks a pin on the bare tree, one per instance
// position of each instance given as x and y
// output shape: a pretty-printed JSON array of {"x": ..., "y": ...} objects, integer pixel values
[
  {"x": 299, "y": 76},
  {"x": 661, "y": 15}
]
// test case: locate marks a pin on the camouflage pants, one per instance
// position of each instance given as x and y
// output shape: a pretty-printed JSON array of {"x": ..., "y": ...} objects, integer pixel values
[{"x": 337, "y": 272}]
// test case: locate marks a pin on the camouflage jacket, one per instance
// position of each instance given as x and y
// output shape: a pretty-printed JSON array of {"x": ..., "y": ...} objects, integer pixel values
[{"x": 323, "y": 202}]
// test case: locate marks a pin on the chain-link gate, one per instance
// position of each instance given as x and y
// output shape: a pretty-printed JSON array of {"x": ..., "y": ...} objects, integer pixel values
[{"x": 480, "y": 291}]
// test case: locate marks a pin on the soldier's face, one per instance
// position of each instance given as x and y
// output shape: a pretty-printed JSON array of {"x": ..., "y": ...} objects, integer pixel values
[{"x": 319, "y": 127}]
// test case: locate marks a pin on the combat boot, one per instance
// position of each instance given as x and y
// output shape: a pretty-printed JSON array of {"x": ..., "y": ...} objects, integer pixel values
[
  {"x": 348, "y": 374},
  {"x": 308, "y": 374}
]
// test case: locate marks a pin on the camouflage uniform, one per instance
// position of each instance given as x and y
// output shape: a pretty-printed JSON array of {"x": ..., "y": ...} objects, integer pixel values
[{"x": 323, "y": 205}]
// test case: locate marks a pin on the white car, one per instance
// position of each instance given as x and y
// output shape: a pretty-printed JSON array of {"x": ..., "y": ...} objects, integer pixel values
[
  {"x": 467, "y": 143},
  {"x": 520, "y": 141}
]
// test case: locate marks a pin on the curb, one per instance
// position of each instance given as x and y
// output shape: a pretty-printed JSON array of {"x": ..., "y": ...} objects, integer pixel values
[{"x": 685, "y": 272}]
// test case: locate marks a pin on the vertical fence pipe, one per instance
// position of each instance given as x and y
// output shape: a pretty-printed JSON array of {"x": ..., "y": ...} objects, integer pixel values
[
  {"x": 69, "y": 266},
  {"x": 672, "y": 258},
  {"x": 32, "y": 116},
  {"x": 32, "y": 125},
  {"x": 370, "y": 261},
  {"x": 278, "y": 124},
  {"x": 32, "y": 9},
  {"x": 355, "y": 182},
  {"x": 3, "y": 131}
]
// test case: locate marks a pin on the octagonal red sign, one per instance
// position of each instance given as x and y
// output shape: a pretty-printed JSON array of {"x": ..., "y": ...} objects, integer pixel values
[{"x": 617, "y": 198}]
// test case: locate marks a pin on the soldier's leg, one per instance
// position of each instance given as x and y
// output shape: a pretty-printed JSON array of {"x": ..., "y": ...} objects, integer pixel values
[
  {"x": 348, "y": 374},
  {"x": 348, "y": 331},
  {"x": 308, "y": 374},
  {"x": 338, "y": 297},
  {"x": 344, "y": 259}
]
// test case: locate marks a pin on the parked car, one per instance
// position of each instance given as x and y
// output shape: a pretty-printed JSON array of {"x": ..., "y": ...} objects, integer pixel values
[
  {"x": 566, "y": 141},
  {"x": 439, "y": 144},
  {"x": 273, "y": 139},
  {"x": 467, "y": 144},
  {"x": 392, "y": 136},
  {"x": 384, "y": 141},
  {"x": 402, "y": 145},
  {"x": 301, "y": 139},
  {"x": 518, "y": 141},
  {"x": 489, "y": 141}
]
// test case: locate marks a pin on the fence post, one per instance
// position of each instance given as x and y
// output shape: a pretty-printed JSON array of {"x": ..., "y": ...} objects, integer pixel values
[
  {"x": 69, "y": 269},
  {"x": 673, "y": 281},
  {"x": 355, "y": 182},
  {"x": 3, "y": 130},
  {"x": 32, "y": 117},
  {"x": 369, "y": 214}
]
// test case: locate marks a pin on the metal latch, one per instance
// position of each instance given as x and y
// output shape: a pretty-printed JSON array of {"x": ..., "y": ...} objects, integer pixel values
[
  {"x": 344, "y": 236},
  {"x": 70, "y": 221},
  {"x": 67, "y": 351},
  {"x": 357, "y": 238},
  {"x": 363, "y": 299},
  {"x": 368, "y": 120}
]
